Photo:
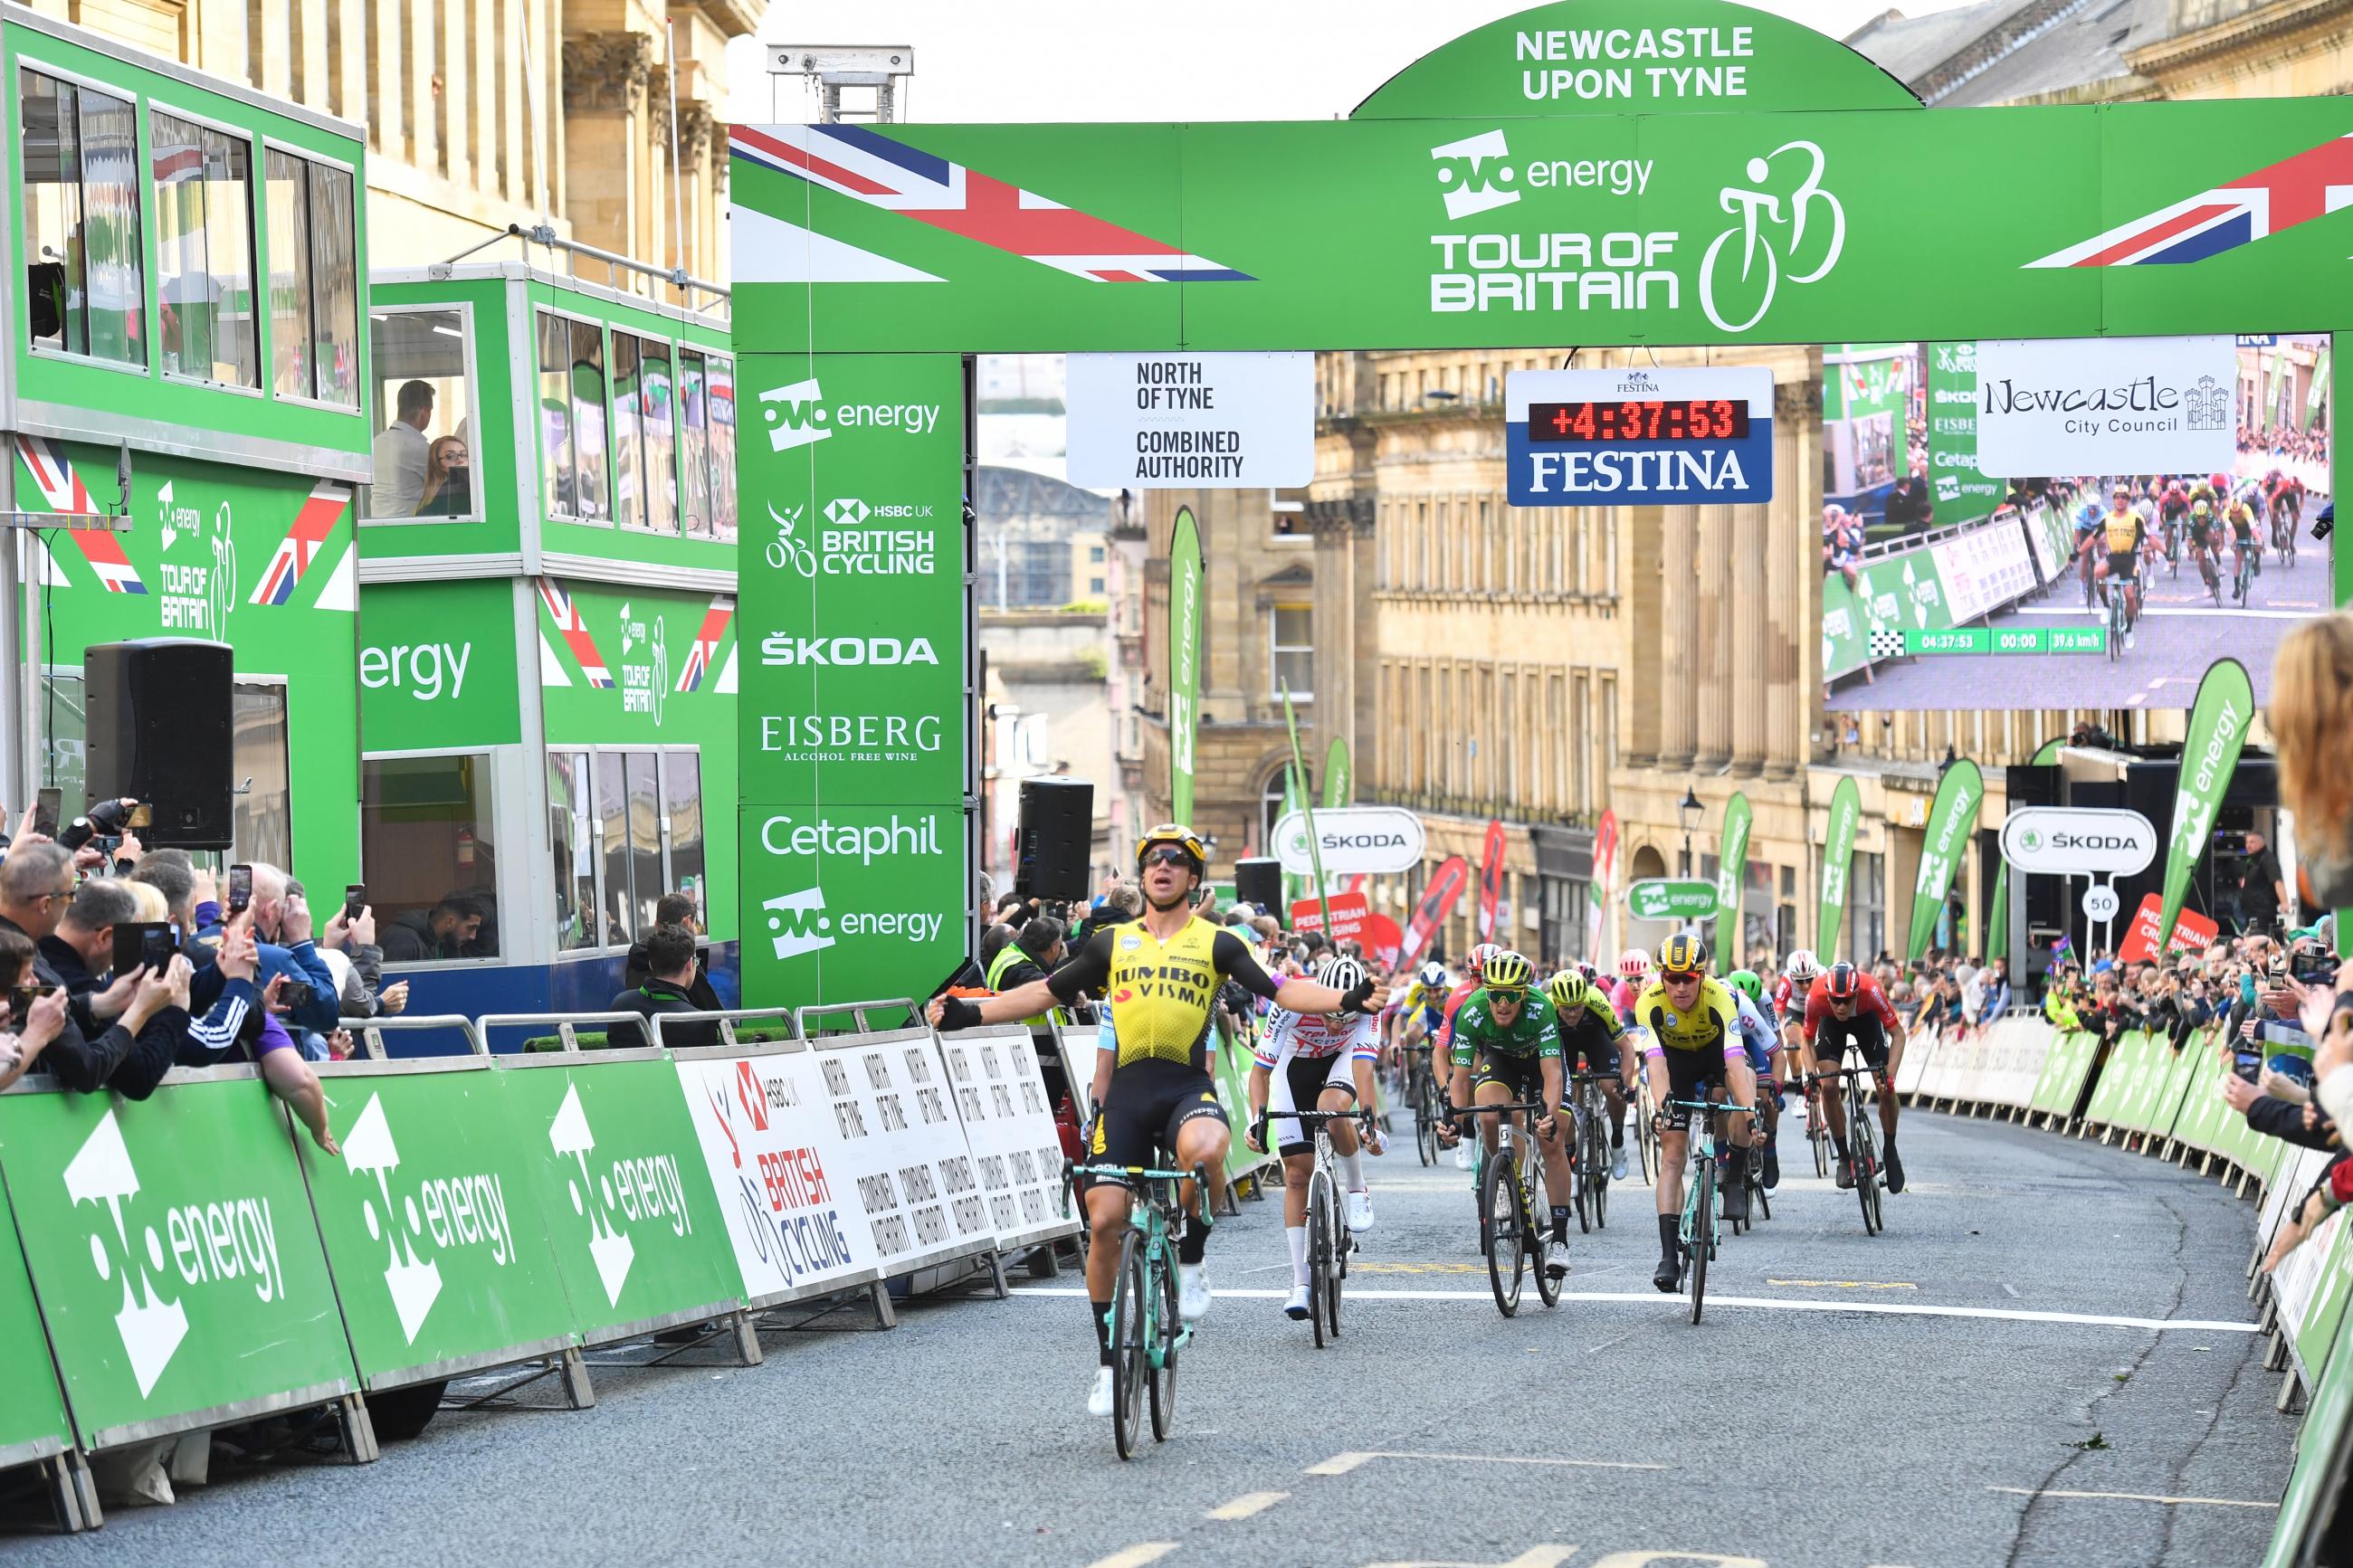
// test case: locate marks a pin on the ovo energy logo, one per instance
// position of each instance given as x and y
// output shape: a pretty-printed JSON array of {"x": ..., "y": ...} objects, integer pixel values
[
  {"x": 794, "y": 416},
  {"x": 1469, "y": 172},
  {"x": 794, "y": 908},
  {"x": 212, "y": 1242},
  {"x": 641, "y": 1189},
  {"x": 457, "y": 1211}
]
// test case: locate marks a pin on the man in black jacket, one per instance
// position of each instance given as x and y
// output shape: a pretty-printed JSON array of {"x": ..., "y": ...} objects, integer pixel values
[
  {"x": 674, "y": 910},
  {"x": 669, "y": 957},
  {"x": 37, "y": 881}
]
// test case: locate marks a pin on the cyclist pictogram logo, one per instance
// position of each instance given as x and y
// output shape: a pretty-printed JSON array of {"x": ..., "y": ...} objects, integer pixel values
[
  {"x": 791, "y": 545},
  {"x": 1780, "y": 233}
]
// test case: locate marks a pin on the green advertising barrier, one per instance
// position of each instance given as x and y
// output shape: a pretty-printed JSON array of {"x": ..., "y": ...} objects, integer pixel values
[
  {"x": 1890, "y": 593},
  {"x": 33, "y": 1424},
  {"x": 433, "y": 1224},
  {"x": 618, "y": 1179},
  {"x": 173, "y": 1254},
  {"x": 2312, "y": 1483},
  {"x": 2324, "y": 1314},
  {"x": 1232, "y": 1071}
]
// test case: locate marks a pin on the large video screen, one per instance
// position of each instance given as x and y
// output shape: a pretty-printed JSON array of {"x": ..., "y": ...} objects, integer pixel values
[{"x": 2114, "y": 575}]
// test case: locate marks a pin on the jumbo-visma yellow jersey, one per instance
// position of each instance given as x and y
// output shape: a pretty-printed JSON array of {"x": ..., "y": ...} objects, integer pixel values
[
  {"x": 1709, "y": 1023},
  {"x": 1161, "y": 992}
]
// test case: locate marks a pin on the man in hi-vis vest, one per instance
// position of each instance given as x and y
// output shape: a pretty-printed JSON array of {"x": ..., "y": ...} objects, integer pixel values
[{"x": 1030, "y": 956}]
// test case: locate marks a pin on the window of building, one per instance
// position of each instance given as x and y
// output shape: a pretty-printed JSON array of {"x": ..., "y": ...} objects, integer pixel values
[
  {"x": 1866, "y": 907},
  {"x": 681, "y": 824},
  {"x": 1291, "y": 631},
  {"x": 314, "y": 325},
  {"x": 203, "y": 250},
  {"x": 1270, "y": 809},
  {"x": 706, "y": 444},
  {"x": 1024, "y": 574},
  {"x": 421, "y": 369},
  {"x": 658, "y": 419},
  {"x": 628, "y": 442},
  {"x": 85, "y": 272},
  {"x": 1095, "y": 587},
  {"x": 571, "y": 835},
  {"x": 625, "y": 827},
  {"x": 261, "y": 818},
  {"x": 430, "y": 856},
  {"x": 575, "y": 476},
  {"x": 719, "y": 397}
]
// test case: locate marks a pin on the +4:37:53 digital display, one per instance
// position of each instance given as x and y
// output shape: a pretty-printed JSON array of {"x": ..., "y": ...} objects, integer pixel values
[{"x": 1648, "y": 419}]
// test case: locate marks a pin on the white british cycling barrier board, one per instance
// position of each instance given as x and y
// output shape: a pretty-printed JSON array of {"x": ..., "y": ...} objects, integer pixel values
[
  {"x": 903, "y": 1149},
  {"x": 1017, "y": 1150},
  {"x": 795, "y": 1218}
]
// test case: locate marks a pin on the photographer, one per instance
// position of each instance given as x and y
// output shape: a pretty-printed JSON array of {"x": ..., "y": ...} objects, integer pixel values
[
  {"x": 37, "y": 881},
  {"x": 101, "y": 841},
  {"x": 282, "y": 916}
]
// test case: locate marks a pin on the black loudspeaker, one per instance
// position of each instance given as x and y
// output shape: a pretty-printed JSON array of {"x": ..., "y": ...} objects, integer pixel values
[
  {"x": 1058, "y": 818},
  {"x": 1260, "y": 881},
  {"x": 159, "y": 732}
]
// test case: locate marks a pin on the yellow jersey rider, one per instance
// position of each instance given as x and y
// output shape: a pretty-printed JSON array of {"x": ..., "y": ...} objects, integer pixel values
[
  {"x": 1695, "y": 1051},
  {"x": 1152, "y": 1087}
]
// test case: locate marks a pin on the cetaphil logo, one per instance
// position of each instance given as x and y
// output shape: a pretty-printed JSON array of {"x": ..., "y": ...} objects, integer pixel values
[
  {"x": 784, "y": 648},
  {"x": 468, "y": 1210},
  {"x": 231, "y": 1239},
  {"x": 1470, "y": 172},
  {"x": 794, "y": 416},
  {"x": 783, "y": 835},
  {"x": 647, "y": 1190}
]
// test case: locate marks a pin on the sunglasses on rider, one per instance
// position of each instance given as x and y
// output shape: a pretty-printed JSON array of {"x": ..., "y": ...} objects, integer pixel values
[{"x": 1167, "y": 855}]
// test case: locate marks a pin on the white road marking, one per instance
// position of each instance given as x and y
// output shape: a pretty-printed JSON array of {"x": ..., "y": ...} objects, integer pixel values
[
  {"x": 1785, "y": 1304},
  {"x": 2138, "y": 1497},
  {"x": 1546, "y": 1556},
  {"x": 1247, "y": 1504},
  {"x": 1341, "y": 1464},
  {"x": 1135, "y": 1556}
]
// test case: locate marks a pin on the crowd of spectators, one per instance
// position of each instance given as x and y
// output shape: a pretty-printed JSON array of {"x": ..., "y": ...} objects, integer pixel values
[
  {"x": 122, "y": 962},
  {"x": 2308, "y": 445}
]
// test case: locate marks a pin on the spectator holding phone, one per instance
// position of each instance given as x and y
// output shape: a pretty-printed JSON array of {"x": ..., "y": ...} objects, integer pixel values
[
  {"x": 37, "y": 882},
  {"x": 281, "y": 922},
  {"x": 32, "y": 1016}
]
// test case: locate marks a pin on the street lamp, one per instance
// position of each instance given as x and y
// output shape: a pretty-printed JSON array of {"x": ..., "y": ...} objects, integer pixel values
[{"x": 1690, "y": 809}]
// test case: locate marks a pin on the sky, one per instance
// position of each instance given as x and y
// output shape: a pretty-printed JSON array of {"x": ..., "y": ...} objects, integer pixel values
[{"x": 1096, "y": 60}]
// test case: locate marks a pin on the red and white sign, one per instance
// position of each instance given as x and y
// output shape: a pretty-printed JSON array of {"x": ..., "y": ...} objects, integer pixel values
[
  {"x": 2192, "y": 932},
  {"x": 1491, "y": 881},
  {"x": 1381, "y": 937},
  {"x": 1348, "y": 914}
]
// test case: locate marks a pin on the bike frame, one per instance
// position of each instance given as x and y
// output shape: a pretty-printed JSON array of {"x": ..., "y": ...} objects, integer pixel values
[{"x": 1151, "y": 1210}]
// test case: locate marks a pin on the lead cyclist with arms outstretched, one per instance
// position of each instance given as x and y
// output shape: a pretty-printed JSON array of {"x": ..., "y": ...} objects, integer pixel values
[{"x": 1153, "y": 1089}]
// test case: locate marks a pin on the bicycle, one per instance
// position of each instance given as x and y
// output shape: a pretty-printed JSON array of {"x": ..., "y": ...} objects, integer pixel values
[
  {"x": 1861, "y": 1145},
  {"x": 2243, "y": 587},
  {"x": 2284, "y": 532},
  {"x": 1698, "y": 1232},
  {"x": 1591, "y": 1164},
  {"x": 1753, "y": 1178},
  {"x": 1146, "y": 1329},
  {"x": 1646, "y": 1131},
  {"x": 1818, "y": 1129},
  {"x": 1426, "y": 1099},
  {"x": 1514, "y": 1215},
  {"x": 1329, "y": 1241},
  {"x": 2119, "y": 616}
]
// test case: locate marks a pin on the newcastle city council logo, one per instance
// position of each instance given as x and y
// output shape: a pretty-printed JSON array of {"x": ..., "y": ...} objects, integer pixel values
[{"x": 2205, "y": 406}]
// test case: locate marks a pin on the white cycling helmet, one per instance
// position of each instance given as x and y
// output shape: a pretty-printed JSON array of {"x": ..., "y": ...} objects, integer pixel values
[
  {"x": 1433, "y": 973},
  {"x": 1340, "y": 972},
  {"x": 1803, "y": 965}
]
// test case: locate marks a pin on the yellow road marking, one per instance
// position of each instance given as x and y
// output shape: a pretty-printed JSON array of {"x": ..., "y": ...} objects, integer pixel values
[
  {"x": 2138, "y": 1497},
  {"x": 1247, "y": 1504},
  {"x": 1417, "y": 1268},
  {"x": 1847, "y": 1284},
  {"x": 1135, "y": 1556}
]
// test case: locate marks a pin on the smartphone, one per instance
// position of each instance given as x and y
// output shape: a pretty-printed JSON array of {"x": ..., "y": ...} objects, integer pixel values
[
  {"x": 2317, "y": 967},
  {"x": 150, "y": 942},
  {"x": 240, "y": 889},
  {"x": 45, "y": 810},
  {"x": 354, "y": 900},
  {"x": 297, "y": 993},
  {"x": 140, "y": 816},
  {"x": 20, "y": 1004}
]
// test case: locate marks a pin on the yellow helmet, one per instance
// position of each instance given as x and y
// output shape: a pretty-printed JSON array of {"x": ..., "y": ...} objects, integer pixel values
[
  {"x": 1176, "y": 834},
  {"x": 1509, "y": 973},
  {"x": 1567, "y": 990},
  {"x": 1683, "y": 953}
]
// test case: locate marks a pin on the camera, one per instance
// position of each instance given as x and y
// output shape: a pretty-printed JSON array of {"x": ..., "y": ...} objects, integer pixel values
[
  {"x": 2314, "y": 966},
  {"x": 297, "y": 993}
]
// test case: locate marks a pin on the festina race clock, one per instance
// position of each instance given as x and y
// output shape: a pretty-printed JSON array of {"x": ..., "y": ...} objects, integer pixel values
[{"x": 1640, "y": 436}]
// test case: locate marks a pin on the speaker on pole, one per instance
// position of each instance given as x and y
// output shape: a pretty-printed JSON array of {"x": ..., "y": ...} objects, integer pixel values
[
  {"x": 159, "y": 732},
  {"x": 1057, "y": 836},
  {"x": 1258, "y": 881}
]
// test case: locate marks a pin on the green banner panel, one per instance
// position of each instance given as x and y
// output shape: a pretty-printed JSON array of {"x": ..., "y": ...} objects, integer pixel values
[
  {"x": 2219, "y": 720},
  {"x": 1185, "y": 610},
  {"x": 1898, "y": 593},
  {"x": 438, "y": 666},
  {"x": 851, "y": 902},
  {"x": 1952, "y": 819},
  {"x": 622, "y": 1187},
  {"x": 1230, "y": 1069},
  {"x": 173, "y": 1252},
  {"x": 1731, "y": 866},
  {"x": 852, "y": 579},
  {"x": 1837, "y": 856},
  {"x": 432, "y": 1221},
  {"x": 1963, "y": 491},
  {"x": 32, "y": 1423}
]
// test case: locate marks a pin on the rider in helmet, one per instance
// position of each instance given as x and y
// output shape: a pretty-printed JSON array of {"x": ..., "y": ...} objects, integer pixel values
[
  {"x": 1591, "y": 1034},
  {"x": 1152, "y": 1088},
  {"x": 1847, "y": 1009},
  {"x": 1314, "y": 1063},
  {"x": 1695, "y": 1052},
  {"x": 1757, "y": 1030},
  {"x": 1507, "y": 1052}
]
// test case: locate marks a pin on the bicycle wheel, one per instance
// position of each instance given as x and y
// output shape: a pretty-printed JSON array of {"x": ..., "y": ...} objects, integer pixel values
[
  {"x": 1535, "y": 1230},
  {"x": 1129, "y": 1357},
  {"x": 1582, "y": 1171},
  {"x": 1762, "y": 1205},
  {"x": 1335, "y": 1260},
  {"x": 1161, "y": 1381},
  {"x": 1865, "y": 1152},
  {"x": 1702, "y": 1242},
  {"x": 1425, "y": 1119},
  {"x": 1499, "y": 1200},
  {"x": 1319, "y": 1250}
]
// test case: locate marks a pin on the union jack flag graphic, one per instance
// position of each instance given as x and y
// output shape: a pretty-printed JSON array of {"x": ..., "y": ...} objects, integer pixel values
[
  {"x": 2255, "y": 206},
  {"x": 706, "y": 643},
  {"x": 302, "y": 544},
  {"x": 574, "y": 632},
  {"x": 859, "y": 162},
  {"x": 62, "y": 491}
]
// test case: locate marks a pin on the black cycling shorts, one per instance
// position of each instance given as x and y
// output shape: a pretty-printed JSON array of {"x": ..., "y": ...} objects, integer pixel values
[
  {"x": 1306, "y": 1079},
  {"x": 2123, "y": 563},
  {"x": 1690, "y": 1075},
  {"x": 1522, "y": 1076},
  {"x": 1832, "y": 1037},
  {"x": 1148, "y": 1102}
]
